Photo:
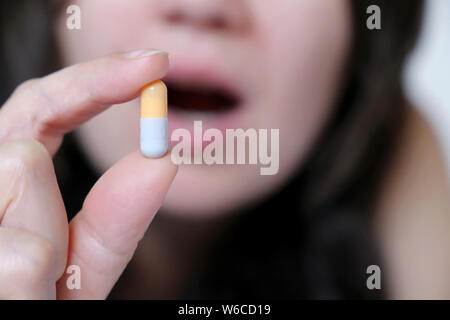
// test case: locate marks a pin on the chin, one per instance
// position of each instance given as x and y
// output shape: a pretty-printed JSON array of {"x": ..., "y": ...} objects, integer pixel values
[
  {"x": 200, "y": 191},
  {"x": 212, "y": 191}
]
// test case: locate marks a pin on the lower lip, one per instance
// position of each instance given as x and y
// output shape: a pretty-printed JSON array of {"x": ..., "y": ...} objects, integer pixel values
[{"x": 219, "y": 121}]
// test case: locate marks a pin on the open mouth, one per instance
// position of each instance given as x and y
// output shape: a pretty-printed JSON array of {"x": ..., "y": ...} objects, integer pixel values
[{"x": 200, "y": 98}]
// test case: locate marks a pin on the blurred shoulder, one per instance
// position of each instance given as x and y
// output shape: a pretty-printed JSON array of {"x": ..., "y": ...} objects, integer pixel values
[{"x": 413, "y": 214}]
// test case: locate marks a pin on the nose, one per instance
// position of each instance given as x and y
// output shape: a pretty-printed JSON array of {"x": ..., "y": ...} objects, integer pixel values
[{"x": 225, "y": 15}]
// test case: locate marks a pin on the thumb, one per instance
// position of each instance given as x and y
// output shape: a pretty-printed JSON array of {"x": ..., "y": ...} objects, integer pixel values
[{"x": 114, "y": 217}]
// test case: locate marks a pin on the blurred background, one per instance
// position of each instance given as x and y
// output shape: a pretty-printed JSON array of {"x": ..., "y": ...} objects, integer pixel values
[{"x": 427, "y": 76}]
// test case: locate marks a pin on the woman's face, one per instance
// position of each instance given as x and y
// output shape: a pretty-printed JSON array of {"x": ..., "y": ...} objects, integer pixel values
[{"x": 267, "y": 64}]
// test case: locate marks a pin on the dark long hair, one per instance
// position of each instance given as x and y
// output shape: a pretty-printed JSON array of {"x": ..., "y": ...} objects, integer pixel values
[{"x": 312, "y": 239}]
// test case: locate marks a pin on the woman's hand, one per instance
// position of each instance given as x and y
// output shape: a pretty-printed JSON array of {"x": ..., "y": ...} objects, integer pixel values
[{"x": 36, "y": 241}]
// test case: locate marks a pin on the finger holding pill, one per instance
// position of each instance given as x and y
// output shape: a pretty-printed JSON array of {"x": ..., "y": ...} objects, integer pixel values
[
  {"x": 32, "y": 124},
  {"x": 60, "y": 102}
]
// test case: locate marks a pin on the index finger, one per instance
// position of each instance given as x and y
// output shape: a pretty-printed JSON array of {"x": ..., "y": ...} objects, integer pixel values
[{"x": 45, "y": 109}]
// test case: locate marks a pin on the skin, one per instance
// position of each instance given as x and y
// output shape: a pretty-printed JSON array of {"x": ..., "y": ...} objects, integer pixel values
[
  {"x": 294, "y": 94},
  {"x": 277, "y": 93},
  {"x": 412, "y": 217},
  {"x": 103, "y": 237}
]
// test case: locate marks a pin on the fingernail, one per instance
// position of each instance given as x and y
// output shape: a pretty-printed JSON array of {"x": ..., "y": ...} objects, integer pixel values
[{"x": 137, "y": 54}]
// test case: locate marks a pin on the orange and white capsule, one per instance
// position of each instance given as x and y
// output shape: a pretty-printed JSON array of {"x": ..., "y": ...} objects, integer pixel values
[{"x": 154, "y": 126}]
